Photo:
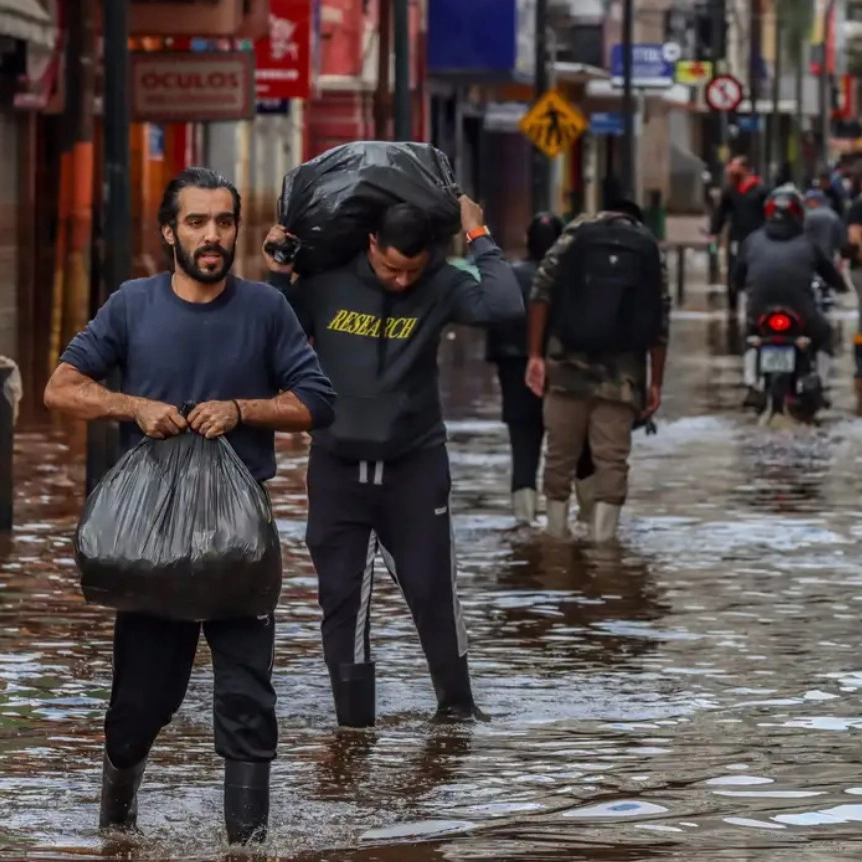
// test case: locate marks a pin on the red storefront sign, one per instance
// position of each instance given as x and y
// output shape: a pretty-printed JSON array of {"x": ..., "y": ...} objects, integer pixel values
[
  {"x": 283, "y": 60},
  {"x": 198, "y": 87}
]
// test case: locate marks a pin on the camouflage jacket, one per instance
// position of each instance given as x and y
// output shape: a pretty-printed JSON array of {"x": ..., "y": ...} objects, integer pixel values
[{"x": 618, "y": 377}]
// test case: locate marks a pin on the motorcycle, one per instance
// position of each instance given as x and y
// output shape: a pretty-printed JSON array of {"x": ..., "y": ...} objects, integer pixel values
[{"x": 788, "y": 381}]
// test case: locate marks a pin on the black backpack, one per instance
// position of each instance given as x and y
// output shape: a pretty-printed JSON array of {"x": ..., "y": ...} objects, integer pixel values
[{"x": 608, "y": 292}]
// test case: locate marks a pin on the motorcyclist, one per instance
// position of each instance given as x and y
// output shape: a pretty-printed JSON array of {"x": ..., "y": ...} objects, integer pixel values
[{"x": 776, "y": 266}]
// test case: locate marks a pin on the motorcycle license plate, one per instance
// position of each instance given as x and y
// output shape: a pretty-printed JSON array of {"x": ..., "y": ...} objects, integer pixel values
[{"x": 778, "y": 360}]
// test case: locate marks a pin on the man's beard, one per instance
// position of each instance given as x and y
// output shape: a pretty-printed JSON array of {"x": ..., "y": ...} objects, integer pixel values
[{"x": 188, "y": 262}]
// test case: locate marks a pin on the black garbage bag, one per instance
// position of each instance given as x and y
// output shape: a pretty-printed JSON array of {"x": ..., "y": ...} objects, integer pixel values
[
  {"x": 332, "y": 202},
  {"x": 179, "y": 528}
]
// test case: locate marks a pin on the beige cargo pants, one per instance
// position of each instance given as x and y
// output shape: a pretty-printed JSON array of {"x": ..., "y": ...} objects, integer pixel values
[{"x": 570, "y": 422}]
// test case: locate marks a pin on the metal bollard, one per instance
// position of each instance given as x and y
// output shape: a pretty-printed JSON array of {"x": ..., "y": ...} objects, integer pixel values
[
  {"x": 680, "y": 275},
  {"x": 7, "y": 437}
]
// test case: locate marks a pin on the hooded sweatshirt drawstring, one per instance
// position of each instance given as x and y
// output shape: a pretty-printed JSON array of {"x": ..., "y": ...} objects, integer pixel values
[{"x": 385, "y": 313}]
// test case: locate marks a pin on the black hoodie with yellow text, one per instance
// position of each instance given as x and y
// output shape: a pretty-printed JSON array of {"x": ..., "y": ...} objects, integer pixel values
[{"x": 379, "y": 347}]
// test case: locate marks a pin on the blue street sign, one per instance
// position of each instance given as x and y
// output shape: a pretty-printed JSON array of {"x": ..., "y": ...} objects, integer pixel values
[
  {"x": 273, "y": 106},
  {"x": 748, "y": 122},
  {"x": 650, "y": 68},
  {"x": 606, "y": 124}
]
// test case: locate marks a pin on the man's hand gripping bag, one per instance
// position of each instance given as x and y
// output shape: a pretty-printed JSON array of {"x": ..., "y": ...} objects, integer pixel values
[{"x": 179, "y": 528}]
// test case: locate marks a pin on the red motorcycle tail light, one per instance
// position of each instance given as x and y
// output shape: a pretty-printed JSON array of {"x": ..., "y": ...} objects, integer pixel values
[{"x": 778, "y": 322}]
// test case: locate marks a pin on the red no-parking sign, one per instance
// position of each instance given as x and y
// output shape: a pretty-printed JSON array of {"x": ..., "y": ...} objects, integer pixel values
[{"x": 723, "y": 93}]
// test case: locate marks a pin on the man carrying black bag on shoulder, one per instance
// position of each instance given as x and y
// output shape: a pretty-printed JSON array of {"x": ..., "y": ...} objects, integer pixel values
[
  {"x": 378, "y": 479},
  {"x": 601, "y": 298},
  {"x": 195, "y": 334}
]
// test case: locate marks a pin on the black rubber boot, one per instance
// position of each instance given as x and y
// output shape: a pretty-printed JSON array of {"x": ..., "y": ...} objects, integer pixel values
[
  {"x": 754, "y": 398},
  {"x": 454, "y": 694},
  {"x": 119, "y": 805},
  {"x": 354, "y": 691},
  {"x": 246, "y": 801}
]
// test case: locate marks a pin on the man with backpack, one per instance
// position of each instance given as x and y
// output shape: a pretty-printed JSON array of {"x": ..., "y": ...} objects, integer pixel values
[{"x": 598, "y": 331}]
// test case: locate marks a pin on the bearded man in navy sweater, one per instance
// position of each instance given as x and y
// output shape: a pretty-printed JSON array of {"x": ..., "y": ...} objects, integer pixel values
[{"x": 236, "y": 349}]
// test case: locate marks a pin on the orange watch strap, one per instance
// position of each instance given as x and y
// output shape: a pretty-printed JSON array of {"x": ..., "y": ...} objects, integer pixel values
[{"x": 477, "y": 232}]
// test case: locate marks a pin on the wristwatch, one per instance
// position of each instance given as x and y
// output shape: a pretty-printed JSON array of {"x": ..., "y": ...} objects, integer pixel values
[{"x": 477, "y": 232}]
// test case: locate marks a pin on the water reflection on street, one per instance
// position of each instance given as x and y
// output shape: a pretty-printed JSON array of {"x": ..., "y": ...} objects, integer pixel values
[{"x": 693, "y": 694}]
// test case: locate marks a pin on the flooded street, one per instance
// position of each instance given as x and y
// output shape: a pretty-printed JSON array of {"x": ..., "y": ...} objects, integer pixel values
[{"x": 694, "y": 694}]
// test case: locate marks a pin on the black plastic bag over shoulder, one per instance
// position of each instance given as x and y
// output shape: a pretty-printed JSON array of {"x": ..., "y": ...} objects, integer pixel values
[
  {"x": 332, "y": 202},
  {"x": 179, "y": 529}
]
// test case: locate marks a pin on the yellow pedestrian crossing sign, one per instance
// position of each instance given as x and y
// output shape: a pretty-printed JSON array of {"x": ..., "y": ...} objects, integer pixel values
[{"x": 552, "y": 124}]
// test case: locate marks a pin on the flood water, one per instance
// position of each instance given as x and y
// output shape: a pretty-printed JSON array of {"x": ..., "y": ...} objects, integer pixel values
[{"x": 692, "y": 695}]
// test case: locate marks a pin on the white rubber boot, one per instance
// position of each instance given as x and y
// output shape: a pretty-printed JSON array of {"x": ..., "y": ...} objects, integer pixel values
[
  {"x": 749, "y": 368},
  {"x": 585, "y": 493},
  {"x": 524, "y": 505},
  {"x": 558, "y": 519},
  {"x": 823, "y": 365},
  {"x": 606, "y": 519}
]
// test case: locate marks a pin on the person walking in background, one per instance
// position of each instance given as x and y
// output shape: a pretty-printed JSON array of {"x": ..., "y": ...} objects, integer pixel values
[
  {"x": 823, "y": 226},
  {"x": 833, "y": 190},
  {"x": 598, "y": 331},
  {"x": 854, "y": 253},
  {"x": 507, "y": 349},
  {"x": 741, "y": 208}
]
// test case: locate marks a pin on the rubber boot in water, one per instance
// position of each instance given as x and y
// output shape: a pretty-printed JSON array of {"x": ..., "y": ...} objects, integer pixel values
[
  {"x": 524, "y": 505},
  {"x": 558, "y": 519},
  {"x": 606, "y": 519},
  {"x": 246, "y": 801},
  {"x": 454, "y": 694},
  {"x": 119, "y": 804},
  {"x": 354, "y": 690}
]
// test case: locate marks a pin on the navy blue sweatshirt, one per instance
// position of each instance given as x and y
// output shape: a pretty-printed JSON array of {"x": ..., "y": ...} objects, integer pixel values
[
  {"x": 380, "y": 348},
  {"x": 247, "y": 343}
]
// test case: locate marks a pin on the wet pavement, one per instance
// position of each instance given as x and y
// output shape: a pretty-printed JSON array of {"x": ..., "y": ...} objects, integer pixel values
[{"x": 694, "y": 694}]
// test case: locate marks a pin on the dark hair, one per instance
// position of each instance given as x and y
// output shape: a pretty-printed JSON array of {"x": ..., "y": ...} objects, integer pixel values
[
  {"x": 544, "y": 230},
  {"x": 405, "y": 228},
  {"x": 626, "y": 206},
  {"x": 196, "y": 178}
]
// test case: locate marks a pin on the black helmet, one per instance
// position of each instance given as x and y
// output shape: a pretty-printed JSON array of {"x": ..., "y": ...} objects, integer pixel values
[
  {"x": 543, "y": 231},
  {"x": 785, "y": 205}
]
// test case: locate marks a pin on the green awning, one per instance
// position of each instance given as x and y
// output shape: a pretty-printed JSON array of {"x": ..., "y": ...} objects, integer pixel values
[{"x": 27, "y": 20}]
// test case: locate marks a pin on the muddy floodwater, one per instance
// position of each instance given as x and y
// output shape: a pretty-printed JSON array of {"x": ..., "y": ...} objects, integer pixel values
[{"x": 694, "y": 694}]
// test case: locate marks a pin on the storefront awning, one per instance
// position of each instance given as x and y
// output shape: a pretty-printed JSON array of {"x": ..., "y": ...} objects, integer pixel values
[
  {"x": 579, "y": 73},
  {"x": 26, "y": 20},
  {"x": 676, "y": 96}
]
